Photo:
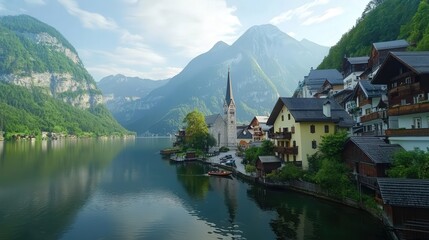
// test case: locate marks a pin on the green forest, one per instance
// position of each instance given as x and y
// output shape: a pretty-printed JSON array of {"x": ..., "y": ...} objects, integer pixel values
[
  {"x": 29, "y": 112},
  {"x": 383, "y": 20}
]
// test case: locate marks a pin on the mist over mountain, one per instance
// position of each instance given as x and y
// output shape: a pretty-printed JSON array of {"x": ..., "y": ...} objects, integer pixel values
[{"x": 264, "y": 62}]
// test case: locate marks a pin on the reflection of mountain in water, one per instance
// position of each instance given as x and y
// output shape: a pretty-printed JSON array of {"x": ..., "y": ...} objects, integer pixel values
[{"x": 44, "y": 184}]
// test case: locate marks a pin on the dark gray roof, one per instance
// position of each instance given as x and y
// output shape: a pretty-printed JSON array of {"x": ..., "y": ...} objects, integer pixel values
[
  {"x": 317, "y": 77},
  {"x": 375, "y": 148},
  {"x": 244, "y": 134},
  {"x": 391, "y": 44},
  {"x": 228, "y": 97},
  {"x": 269, "y": 159},
  {"x": 404, "y": 192},
  {"x": 418, "y": 61},
  {"x": 311, "y": 110},
  {"x": 372, "y": 90},
  {"x": 358, "y": 60},
  {"x": 211, "y": 119}
]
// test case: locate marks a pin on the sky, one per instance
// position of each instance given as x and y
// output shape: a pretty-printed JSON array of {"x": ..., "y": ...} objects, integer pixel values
[{"x": 156, "y": 39}]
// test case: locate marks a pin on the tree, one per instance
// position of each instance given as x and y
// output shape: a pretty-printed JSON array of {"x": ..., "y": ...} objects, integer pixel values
[
  {"x": 197, "y": 132},
  {"x": 332, "y": 145},
  {"x": 410, "y": 164},
  {"x": 266, "y": 149}
]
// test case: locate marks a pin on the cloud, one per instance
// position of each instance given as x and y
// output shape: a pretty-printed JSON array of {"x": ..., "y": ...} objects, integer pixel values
[
  {"x": 89, "y": 19},
  {"x": 189, "y": 26},
  {"x": 36, "y": 2},
  {"x": 330, "y": 13},
  {"x": 301, "y": 12}
]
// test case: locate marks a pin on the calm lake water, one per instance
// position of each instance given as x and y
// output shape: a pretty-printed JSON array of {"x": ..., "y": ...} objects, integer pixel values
[{"x": 88, "y": 189}]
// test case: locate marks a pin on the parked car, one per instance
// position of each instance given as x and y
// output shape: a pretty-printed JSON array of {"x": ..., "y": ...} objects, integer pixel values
[{"x": 230, "y": 162}]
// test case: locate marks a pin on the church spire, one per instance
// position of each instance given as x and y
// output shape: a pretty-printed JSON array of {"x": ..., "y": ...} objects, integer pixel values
[{"x": 228, "y": 97}]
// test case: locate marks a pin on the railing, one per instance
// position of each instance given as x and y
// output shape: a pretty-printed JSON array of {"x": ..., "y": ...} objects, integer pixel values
[
  {"x": 373, "y": 116},
  {"x": 281, "y": 135},
  {"x": 286, "y": 150},
  {"x": 408, "y": 109},
  {"x": 405, "y": 89},
  {"x": 408, "y": 132}
]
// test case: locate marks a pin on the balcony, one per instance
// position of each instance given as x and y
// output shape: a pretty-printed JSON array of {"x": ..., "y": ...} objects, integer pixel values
[
  {"x": 409, "y": 109},
  {"x": 373, "y": 116},
  {"x": 408, "y": 132},
  {"x": 281, "y": 135},
  {"x": 286, "y": 150}
]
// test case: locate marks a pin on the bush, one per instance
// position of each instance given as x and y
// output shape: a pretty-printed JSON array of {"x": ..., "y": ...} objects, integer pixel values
[
  {"x": 250, "y": 168},
  {"x": 223, "y": 149},
  {"x": 288, "y": 172}
]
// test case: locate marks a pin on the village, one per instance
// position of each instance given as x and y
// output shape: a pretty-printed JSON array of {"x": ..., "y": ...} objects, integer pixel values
[{"x": 381, "y": 101}]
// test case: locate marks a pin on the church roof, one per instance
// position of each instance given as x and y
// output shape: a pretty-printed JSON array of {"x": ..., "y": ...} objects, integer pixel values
[
  {"x": 211, "y": 119},
  {"x": 228, "y": 97}
]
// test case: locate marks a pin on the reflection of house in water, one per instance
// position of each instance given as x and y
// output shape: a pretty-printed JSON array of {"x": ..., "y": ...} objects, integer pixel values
[{"x": 229, "y": 189}]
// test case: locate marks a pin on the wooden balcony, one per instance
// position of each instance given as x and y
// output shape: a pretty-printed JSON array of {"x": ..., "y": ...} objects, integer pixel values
[
  {"x": 281, "y": 135},
  {"x": 405, "y": 89},
  {"x": 286, "y": 150},
  {"x": 373, "y": 116},
  {"x": 408, "y": 132},
  {"x": 408, "y": 109}
]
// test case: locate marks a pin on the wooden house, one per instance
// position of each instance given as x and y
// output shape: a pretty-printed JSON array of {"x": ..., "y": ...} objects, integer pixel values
[
  {"x": 266, "y": 164},
  {"x": 352, "y": 68},
  {"x": 406, "y": 206},
  {"x": 406, "y": 75},
  {"x": 368, "y": 158},
  {"x": 370, "y": 108},
  {"x": 258, "y": 127},
  {"x": 380, "y": 51}
]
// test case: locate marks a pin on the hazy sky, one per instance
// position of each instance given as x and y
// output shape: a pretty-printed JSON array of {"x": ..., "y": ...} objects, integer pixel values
[{"x": 156, "y": 38}]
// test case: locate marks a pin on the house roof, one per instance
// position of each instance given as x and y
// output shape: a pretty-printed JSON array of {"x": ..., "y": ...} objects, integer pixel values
[
  {"x": 269, "y": 159},
  {"x": 417, "y": 62},
  {"x": 311, "y": 110},
  {"x": 244, "y": 134},
  {"x": 375, "y": 148},
  {"x": 211, "y": 119},
  {"x": 370, "y": 90},
  {"x": 317, "y": 77},
  {"x": 404, "y": 192},
  {"x": 358, "y": 60},
  {"x": 391, "y": 44},
  {"x": 261, "y": 119}
]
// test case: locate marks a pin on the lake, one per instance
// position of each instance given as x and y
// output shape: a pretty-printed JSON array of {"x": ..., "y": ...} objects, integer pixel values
[{"x": 124, "y": 189}]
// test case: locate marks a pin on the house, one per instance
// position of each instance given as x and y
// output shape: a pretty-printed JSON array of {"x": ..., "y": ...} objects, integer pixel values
[
  {"x": 353, "y": 67},
  {"x": 244, "y": 136},
  {"x": 329, "y": 88},
  {"x": 266, "y": 164},
  {"x": 368, "y": 158},
  {"x": 299, "y": 124},
  {"x": 379, "y": 52},
  {"x": 314, "y": 81},
  {"x": 258, "y": 127},
  {"x": 406, "y": 75},
  {"x": 369, "y": 110},
  {"x": 406, "y": 206}
]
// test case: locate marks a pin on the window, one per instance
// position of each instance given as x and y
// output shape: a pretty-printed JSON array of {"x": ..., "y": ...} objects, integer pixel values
[
  {"x": 326, "y": 128},
  {"x": 417, "y": 122},
  {"x": 403, "y": 101},
  {"x": 292, "y": 129},
  {"x": 283, "y": 118},
  {"x": 294, "y": 143},
  {"x": 288, "y": 116},
  {"x": 312, "y": 129},
  {"x": 314, "y": 144}
]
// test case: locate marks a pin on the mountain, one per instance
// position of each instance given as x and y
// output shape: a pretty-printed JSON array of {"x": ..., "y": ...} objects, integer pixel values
[
  {"x": 43, "y": 81},
  {"x": 265, "y": 63},
  {"x": 120, "y": 92},
  {"x": 383, "y": 20}
]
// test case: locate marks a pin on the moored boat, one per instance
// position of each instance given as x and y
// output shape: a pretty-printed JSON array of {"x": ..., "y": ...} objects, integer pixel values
[{"x": 221, "y": 173}]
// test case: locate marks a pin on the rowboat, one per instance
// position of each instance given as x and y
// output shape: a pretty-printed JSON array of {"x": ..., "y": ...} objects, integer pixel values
[{"x": 220, "y": 173}]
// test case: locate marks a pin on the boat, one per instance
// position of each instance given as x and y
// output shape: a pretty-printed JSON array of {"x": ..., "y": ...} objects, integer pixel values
[{"x": 220, "y": 173}]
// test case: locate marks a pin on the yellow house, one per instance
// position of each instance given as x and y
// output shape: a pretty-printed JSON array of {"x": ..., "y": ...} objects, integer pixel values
[{"x": 299, "y": 124}]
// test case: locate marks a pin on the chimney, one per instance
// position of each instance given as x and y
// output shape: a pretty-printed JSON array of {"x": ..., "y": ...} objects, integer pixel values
[{"x": 327, "y": 109}]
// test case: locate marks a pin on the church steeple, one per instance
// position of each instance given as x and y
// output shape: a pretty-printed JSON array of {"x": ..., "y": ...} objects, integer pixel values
[{"x": 228, "y": 97}]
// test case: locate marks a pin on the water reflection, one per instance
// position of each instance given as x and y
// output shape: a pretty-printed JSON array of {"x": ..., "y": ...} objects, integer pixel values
[{"x": 44, "y": 184}]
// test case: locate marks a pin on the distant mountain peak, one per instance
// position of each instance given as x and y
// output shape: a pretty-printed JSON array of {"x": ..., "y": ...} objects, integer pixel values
[{"x": 219, "y": 45}]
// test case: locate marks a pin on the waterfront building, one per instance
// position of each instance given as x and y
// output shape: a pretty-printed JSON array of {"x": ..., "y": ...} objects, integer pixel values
[
  {"x": 267, "y": 164},
  {"x": 368, "y": 158},
  {"x": 299, "y": 124},
  {"x": 406, "y": 206},
  {"x": 406, "y": 75}
]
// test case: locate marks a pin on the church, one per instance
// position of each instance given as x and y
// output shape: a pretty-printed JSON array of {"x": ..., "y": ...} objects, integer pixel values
[{"x": 223, "y": 127}]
